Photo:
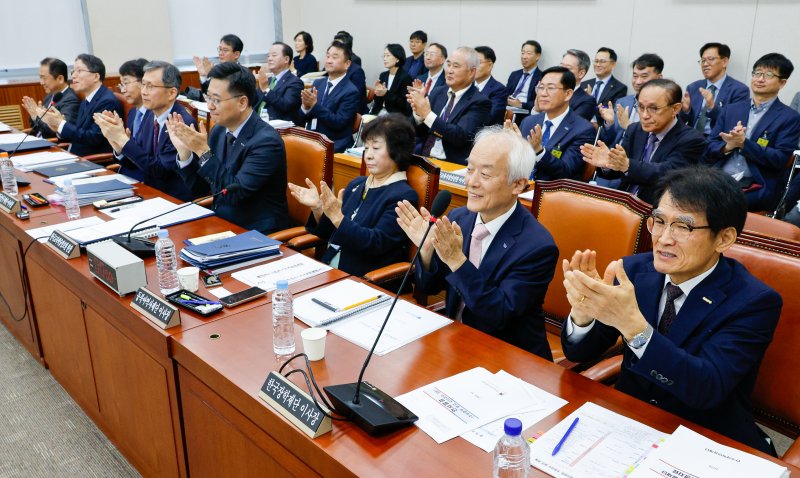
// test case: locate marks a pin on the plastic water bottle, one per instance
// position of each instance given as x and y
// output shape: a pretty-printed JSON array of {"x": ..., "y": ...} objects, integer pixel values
[
  {"x": 7, "y": 173},
  {"x": 71, "y": 200},
  {"x": 282, "y": 320},
  {"x": 512, "y": 455},
  {"x": 167, "y": 264}
]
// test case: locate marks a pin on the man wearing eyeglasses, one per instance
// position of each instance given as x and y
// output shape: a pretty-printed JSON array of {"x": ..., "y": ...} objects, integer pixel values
[
  {"x": 704, "y": 98},
  {"x": 88, "y": 74},
  {"x": 695, "y": 323},
  {"x": 241, "y": 151},
  {"x": 150, "y": 155},
  {"x": 577, "y": 61},
  {"x": 229, "y": 49},
  {"x": 753, "y": 140},
  {"x": 655, "y": 144},
  {"x": 556, "y": 134},
  {"x": 604, "y": 88}
]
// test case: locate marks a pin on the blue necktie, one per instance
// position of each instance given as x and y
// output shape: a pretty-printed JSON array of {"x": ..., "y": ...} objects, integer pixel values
[
  {"x": 321, "y": 99},
  {"x": 521, "y": 84},
  {"x": 597, "y": 87},
  {"x": 546, "y": 133},
  {"x": 137, "y": 122}
]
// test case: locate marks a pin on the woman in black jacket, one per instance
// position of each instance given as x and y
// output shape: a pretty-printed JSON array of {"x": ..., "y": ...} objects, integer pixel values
[{"x": 391, "y": 88}]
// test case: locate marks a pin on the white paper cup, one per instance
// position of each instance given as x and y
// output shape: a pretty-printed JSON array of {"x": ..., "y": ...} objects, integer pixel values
[
  {"x": 314, "y": 343},
  {"x": 189, "y": 278}
]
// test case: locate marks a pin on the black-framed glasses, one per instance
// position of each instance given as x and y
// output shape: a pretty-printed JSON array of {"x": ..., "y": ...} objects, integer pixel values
[
  {"x": 765, "y": 74},
  {"x": 680, "y": 231},
  {"x": 211, "y": 101}
]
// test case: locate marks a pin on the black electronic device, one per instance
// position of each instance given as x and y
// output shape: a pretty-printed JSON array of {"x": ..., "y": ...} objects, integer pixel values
[
  {"x": 23, "y": 215},
  {"x": 241, "y": 297},
  {"x": 373, "y": 410}
]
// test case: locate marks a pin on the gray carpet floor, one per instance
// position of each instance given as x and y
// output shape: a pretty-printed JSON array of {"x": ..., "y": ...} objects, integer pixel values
[{"x": 43, "y": 432}]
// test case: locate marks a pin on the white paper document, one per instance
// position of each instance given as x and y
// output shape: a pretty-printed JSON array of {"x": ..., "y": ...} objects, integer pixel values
[
  {"x": 689, "y": 454},
  {"x": 85, "y": 178},
  {"x": 153, "y": 207},
  {"x": 463, "y": 402},
  {"x": 603, "y": 444},
  {"x": 14, "y": 138},
  {"x": 292, "y": 269},
  {"x": 63, "y": 227},
  {"x": 35, "y": 160},
  {"x": 4, "y": 127},
  {"x": 539, "y": 405}
]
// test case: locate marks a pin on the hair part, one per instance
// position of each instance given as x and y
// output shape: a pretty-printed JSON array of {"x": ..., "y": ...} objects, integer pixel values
[
  {"x": 93, "y": 64},
  {"x": 567, "y": 79},
  {"x": 419, "y": 35},
  {"x": 240, "y": 79},
  {"x": 233, "y": 41},
  {"x": 584, "y": 62},
  {"x": 519, "y": 154},
  {"x": 286, "y": 50},
  {"x": 133, "y": 68},
  {"x": 611, "y": 53},
  {"x": 648, "y": 60},
  {"x": 674, "y": 92},
  {"x": 723, "y": 50},
  {"x": 487, "y": 53},
  {"x": 473, "y": 60},
  {"x": 397, "y": 51},
  {"x": 170, "y": 74},
  {"x": 777, "y": 62},
  {"x": 346, "y": 51},
  {"x": 344, "y": 37},
  {"x": 397, "y": 132},
  {"x": 535, "y": 44}
]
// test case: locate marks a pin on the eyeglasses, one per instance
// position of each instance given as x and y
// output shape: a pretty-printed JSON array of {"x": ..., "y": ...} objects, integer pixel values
[
  {"x": 601, "y": 62},
  {"x": 124, "y": 85},
  {"x": 78, "y": 71},
  {"x": 650, "y": 109},
  {"x": 149, "y": 86},
  {"x": 216, "y": 101},
  {"x": 224, "y": 50},
  {"x": 680, "y": 231},
  {"x": 765, "y": 74},
  {"x": 550, "y": 89},
  {"x": 708, "y": 59}
]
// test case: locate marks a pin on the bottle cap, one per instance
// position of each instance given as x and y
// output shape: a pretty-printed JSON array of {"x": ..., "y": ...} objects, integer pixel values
[
  {"x": 282, "y": 284},
  {"x": 513, "y": 427},
  {"x": 163, "y": 233}
]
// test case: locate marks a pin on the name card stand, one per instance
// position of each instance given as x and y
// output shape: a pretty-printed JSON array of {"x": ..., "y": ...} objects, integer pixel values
[
  {"x": 63, "y": 245},
  {"x": 295, "y": 405},
  {"x": 9, "y": 203},
  {"x": 158, "y": 310}
]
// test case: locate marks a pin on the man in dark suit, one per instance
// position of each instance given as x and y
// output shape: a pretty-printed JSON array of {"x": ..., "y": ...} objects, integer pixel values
[
  {"x": 278, "y": 89},
  {"x": 130, "y": 85},
  {"x": 492, "y": 256},
  {"x": 584, "y": 105},
  {"x": 491, "y": 88},
  {"x": 415, "y": 63},
  {"x": 242, "y": 151},
  {"x": 230, "y": 49},
  {"x": 520, "y": 88},
  {"x": 53, "y": 78},
  {"x": 704, "y": 98},
  {"x": 150, "y": 155},
  {"x": 346, "y": 38},
  {"x": 434, "y": 58},
  {"x": 87, "y": 80},
  {"x": 604, "y": 88},
  {"x": 557, "y": 133},
  {"x": 695, "y": 323},
  {"x": 753, "y": 140},
  {"x": 651, "y": 147},
  {"x": 330, "y": 107},
  {"x": 450, "y": 117}
]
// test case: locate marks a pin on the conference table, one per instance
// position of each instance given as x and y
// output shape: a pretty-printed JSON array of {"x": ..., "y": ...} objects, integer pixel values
[{"x": 184, "y": 401}]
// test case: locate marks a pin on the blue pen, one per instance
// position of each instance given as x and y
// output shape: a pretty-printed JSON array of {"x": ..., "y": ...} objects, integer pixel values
[
  {"x": 564, "y": 438},
  {"x": 200, "y": 302}
]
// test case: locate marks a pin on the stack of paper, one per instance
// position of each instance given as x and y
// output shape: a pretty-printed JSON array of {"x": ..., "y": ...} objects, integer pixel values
[
  {"x": 108, "y": 190},
  {"x": 50, "y": 171},
  {"x": 230, "y": 252},
  {"x": 291, "y": 269},
  {"x": 277, "y": 123},
  {"x": 11, "y": 142},
  {"x": 4, "y": 127},
  {"x": 29, "y": 162}
]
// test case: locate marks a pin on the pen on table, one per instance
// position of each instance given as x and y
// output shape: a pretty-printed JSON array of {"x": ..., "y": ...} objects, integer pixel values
[
  {"x": 357, "y": 304},
  {"x": 566, "y": 435},
  {"x": 324, "y": 304},
  {"x": 200, "y": 302}
]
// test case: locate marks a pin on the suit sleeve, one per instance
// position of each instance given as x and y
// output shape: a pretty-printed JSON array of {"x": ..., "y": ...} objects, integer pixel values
[
  {"x": 345, "y": 114},
  {"x": 160, "y": 165},
  {"x": 688, "y": 152},
  {"x": 586, "y": 109},
  {"x": 91, "y": 136},
  {"x": 571, "y": 164},
  {"x": 324, "y": 227},
  {"x": 290, "y": 100},
  {"x": 740, "y": 93},
  {"x": 596, "y": 342},
  {"x": 781, "y": 145},
  {"x": 462, "y": 131}
]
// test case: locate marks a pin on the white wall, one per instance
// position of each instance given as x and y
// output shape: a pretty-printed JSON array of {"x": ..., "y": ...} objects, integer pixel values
[{"x": 675, "y": 29}]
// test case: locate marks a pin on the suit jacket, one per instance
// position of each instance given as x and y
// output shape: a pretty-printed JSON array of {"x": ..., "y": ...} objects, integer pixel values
[
  {"x": 562, "y": 157},
  {"x": 780, "y": 127},
  {"x": 732, "y": 91},
  {"x": 468, "y": 116},
  {"x": 440, "y": 81},
  {"x": 583, "y": 105},
  {"x": 705, "y": 367},
  {"x": 372, "y": 239},
  {"x": 359, "y": 79},
  {"x": 504, "y": 297},
  {"x": 513, "y": 80},
  {"x": 156, "y": 166},
  {"x": 496, "y": 92},
  {"x": 283, "y": 101},
  {"x": 612, "y": 135},
  {"x": 335, "y": 118},
  {"x": 415, "y": 67},
  {"x": 612, "y": 91},
  {"x": 257, "y": 163},
  {"x": 682, "y": 146},
  {"x": 68, "y": 106},
  {"x": 394, "y": 101},
  {"x": 83, "y": 133},
  {"x": 126, "y": 165}
]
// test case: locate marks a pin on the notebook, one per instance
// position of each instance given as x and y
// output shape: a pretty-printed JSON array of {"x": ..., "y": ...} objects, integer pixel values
[
  {"x": 339, "y": 301},
  {"x": 69, "y": 168}
]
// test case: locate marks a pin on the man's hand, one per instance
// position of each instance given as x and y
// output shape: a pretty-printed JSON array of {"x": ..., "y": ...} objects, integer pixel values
[
  {"x": 417, "y": 85},
  {"x": 623, "y": 116},
  {"x": 203, "y": 65},
  {"x": 708, "y": 95},
  {"x": 535, "y": 139},
  {"x": 113, "y": 129},
  {"x": 263, "y": 76},
  {"x": 331, "y": 204},
  {"x": 308, "y": 96},
  {"x": 447, "y": 241},
  {"x": 420, "y": 104},
  {"x": 33, "y": 108},
  {"x": 185, "y": 138},
  {"x": 686, "y": 102},
  {"x": 588, "y": 90},
  {"x": 735, "y": 138},
  {"x": 607, "y": 113},
  {"x": 53, "y": 118},
  {"x": 584, "y": 262},
  {"x": 414, "y": 224},
  {"x": 513, "y": 101}
]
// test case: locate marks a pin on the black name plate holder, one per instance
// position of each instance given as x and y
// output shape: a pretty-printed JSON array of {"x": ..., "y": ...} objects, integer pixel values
[
  {"x": 158, "y": 310},
  {"x": 64, "y": 245},
  {"x": 295, "y": 405}
]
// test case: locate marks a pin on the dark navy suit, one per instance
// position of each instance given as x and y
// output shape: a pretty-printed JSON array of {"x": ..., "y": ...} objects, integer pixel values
[
  {"x": 705, "y": 367},
  {"x": 257, "y": 163},
  {"x": 357, "y": 76},
  {"x": 612, "y": 91},
  {"x": 582, "y": 104},
  {"x": 565, "y": 141},
  {"x": 682, "y": 146},
  {"x": 394, "y": 101},
  {"x": 372, "y": 239},
  {"x": 612, "y": 135},
  {"x": 336, "y": 116},
  {"x": 496, "y": 92},
  {"x": 780, "y": 128},
  {"x": 468, "y": 116},
  {"x": 283, "y": 101},
  {"x": 156, "y": 166},
  {"x": 732, "y": 91},
  {"x": 83, "y": 133},
  {"x": 415, "y": 66},
  {"x": 126, "y": 166},
  {"x": 513, "y": 80},
  {"x": 68, "y": 106},
  {"x": 504, "y": 297}
]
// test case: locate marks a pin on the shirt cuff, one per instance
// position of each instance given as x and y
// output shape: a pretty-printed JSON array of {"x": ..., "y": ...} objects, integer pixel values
[
  {"x": 61, "y": 126},
  {"x": 304, "y": 110},
  {"x": 429, "y": 119},
  {"x": 576, "y": 333},
  {"x": 541, "y": 155},
  {"x": 183, "y": 164}
]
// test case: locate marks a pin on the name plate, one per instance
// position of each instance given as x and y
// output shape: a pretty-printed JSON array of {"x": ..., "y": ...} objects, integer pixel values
[
  {"x": 9, "y": 203},
  {"x": 158, "y": 310},
  {"x": 63, "y": 245},
  {"x": 295, "y": 405}
]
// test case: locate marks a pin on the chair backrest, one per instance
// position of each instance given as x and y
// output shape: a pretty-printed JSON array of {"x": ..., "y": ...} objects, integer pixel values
[
  {"x": 125, "y": 105},
  {"x": 189, "y": 108},
  {"x": 581, "y": 216},
  {"x": 12, "y": 116},
  {"x": 308, "y": 155},
  {"x": 777, "y": 393},
  {"x": 771, "y": 227}
]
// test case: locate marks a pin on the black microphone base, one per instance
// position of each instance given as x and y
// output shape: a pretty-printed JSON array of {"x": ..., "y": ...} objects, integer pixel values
[
  {"x": 139, "y": 247},
  {"x": 376, "y": 412}
]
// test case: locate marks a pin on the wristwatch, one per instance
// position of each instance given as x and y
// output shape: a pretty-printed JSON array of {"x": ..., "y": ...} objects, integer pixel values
[
  {"x": 641, "y": 338},
  {"x": 204, "y": 157}
]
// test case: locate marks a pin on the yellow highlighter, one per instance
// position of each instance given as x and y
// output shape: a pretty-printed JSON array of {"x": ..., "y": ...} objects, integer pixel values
[{"x": 358, "y": 304}]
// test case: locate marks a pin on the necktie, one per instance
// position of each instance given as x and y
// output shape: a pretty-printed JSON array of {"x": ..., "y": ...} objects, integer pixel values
[
  {"x": 137, "y": 123},
  {"x": 430, "y": 141},
  {"x": 475, "y": 252},
  {"x": 700, "y": 125},
  {"x": 229, "y": 139},
  {"x": 668, "y": 317},
  {"x": 321, "y": 99},
  {"x": 155, "y": 137},
  {"x": 428, "y": 85},
  {"x": 521, "y": 84},
  {"x": 647, "y": 156},
  {"x": 546, "y": 133},
  {"x": 597, "y": 87},
  {"x": 272, "y": 82}
]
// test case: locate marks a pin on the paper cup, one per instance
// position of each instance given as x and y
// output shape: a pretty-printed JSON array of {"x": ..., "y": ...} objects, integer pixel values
[
  {"x": 314, "y": 343},
  {"x": 189, "y": 278}
]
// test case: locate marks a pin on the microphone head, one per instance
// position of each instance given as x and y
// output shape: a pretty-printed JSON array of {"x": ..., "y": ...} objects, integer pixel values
[
  {"x": 230, "y": 188},
  {"x": 57, "y": 97},
  {"x": 440, "y": 203}
]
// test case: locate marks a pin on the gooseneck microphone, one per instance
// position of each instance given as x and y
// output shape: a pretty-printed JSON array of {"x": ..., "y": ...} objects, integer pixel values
[
  {"x": 369, "y": 407},
  {"x": 37, "y": 120},
  {"x": 146, "y": 248}
]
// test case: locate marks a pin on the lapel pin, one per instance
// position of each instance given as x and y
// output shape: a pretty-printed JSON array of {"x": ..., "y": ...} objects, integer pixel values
[
  {"x": 505, "y": 246},
  {"x": 707, "y": 300}
]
